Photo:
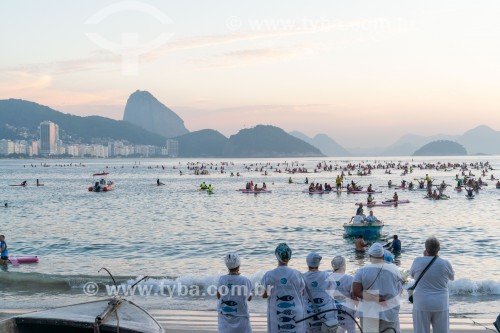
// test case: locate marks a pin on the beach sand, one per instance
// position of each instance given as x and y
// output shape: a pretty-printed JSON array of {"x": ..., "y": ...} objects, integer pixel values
[{"x": 206, "y": 321}]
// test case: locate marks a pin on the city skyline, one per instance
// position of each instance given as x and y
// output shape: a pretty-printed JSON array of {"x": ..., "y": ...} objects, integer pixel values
[{"x": 363, "y": 75}]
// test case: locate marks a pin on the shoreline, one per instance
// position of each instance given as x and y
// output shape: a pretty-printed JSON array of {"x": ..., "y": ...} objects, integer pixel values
[{"x": 206, "y": 321}]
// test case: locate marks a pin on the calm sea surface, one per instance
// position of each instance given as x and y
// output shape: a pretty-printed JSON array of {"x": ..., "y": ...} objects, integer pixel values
[{"x": 179, "y": 235}]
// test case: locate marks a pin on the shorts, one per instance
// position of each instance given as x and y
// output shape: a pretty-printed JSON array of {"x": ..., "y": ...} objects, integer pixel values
[{"x": 4, "y": 257}]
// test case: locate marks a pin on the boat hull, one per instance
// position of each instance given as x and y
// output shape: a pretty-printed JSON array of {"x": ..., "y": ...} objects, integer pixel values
[
  {"x": 81, "y": 318},
  {"x": 365, "y": 230}
]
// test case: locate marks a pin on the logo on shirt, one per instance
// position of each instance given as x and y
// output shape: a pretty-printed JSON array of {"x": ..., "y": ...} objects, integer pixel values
[
  {"x": 314, "y": 284},
  {"x": 283, "y": 280}
]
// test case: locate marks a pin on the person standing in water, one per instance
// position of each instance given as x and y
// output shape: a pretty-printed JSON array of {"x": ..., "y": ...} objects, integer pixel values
[
  {"x": 360, "y": 244},
  {"x": 284, "y": 291},
  {"x": 234, "y": 291},
  {"x": 4, "y": 251}
]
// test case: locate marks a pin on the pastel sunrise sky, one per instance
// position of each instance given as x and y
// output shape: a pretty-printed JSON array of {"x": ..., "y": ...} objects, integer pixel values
[{"x": 379, "y": 69}]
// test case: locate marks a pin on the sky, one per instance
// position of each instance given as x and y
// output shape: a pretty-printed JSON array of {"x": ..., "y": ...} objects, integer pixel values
[{"x": 364, "y": 72}]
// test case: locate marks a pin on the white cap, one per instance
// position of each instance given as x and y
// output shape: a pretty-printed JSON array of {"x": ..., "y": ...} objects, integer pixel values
[
  {"x": 338, "y": 262},
  {"x": 232, "y": 260},
  {"x": 376, "y": 250},
  {"x": 313, "y": 259}
]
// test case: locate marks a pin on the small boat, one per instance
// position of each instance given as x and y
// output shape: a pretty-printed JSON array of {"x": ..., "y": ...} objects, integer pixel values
[
  {"x": 103, "y": 185},
  {"x": 470, "y": 197},
  {"x": 111, "y": 315},
  {"x": 367, "y": 230},
  {"x": 363, "y": 192}
]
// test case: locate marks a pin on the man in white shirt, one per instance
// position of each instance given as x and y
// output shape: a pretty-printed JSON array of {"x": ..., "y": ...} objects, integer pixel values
[
  {"x": 430, "y": 297},
  {"x": 377, "y": 286}
]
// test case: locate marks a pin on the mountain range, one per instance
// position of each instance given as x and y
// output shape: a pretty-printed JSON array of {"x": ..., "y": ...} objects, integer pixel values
[
  {"x": 324, "y": 143},
  {"x": 259, "y": 141},
  {"x": 479, "y": 140},
  {"x": 20, "y": 119},
  {"x": 148, "y": 121}
]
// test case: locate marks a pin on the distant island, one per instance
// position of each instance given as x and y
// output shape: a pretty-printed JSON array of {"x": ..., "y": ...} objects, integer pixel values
[{"x": 441, "y": 148}]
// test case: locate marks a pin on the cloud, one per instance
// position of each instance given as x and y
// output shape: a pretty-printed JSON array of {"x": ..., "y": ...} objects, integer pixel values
[
  {"x": 251, "y": 56},
  {"x": 39, "y": 88},
  {"x": 14, "y": 83},
  {"x": 256, "y": 30}
]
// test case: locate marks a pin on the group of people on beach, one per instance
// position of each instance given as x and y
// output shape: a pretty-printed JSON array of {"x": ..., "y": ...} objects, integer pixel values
[{"x": 322, "y": 301}]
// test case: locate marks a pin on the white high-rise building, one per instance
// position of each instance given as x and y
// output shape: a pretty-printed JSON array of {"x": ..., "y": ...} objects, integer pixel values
[
  {"x": 173, "y": 148},
  {"x": 49, "y": 138}
]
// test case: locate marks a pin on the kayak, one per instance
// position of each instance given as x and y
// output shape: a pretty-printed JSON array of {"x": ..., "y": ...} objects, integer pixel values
[
  {"x": 256, "y": 192},
  {"x": 458, "y": 189},
  {"x": 468, "y": 197},
  {"x": 392, "y": 202},
  {"x": 364, "y": 192},
  {"x": 314, "y": 192},
  {"x": 22, "y": 260},
  {"x": 443, "y": 197}
]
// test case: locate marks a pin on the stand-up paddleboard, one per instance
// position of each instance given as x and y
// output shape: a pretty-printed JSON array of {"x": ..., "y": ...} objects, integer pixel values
[{"x": 22, "y": 260}]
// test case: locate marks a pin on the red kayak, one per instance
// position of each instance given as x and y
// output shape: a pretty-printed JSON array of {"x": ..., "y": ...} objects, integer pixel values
[{"x": 22, "y": 260}]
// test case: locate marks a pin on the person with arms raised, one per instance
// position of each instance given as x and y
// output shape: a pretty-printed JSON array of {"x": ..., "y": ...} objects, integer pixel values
[{"x": 431, "y": 296}]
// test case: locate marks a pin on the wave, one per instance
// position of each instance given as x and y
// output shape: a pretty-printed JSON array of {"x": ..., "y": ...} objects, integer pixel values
[
  {"x": 40, "y": 283},
  {"x": 470, "y": 287}
]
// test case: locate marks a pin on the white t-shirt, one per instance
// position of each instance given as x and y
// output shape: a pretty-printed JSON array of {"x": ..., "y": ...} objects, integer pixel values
[
  {"x": 322, "y": 287},
  {"x": 379, "y": 280},
  {"x": 359, "y": 218},
  {"x": 344, "y": 301},
  {"x": 431, "y": 293},
  {"x": 285, "y": 288},
  {"x": 233, "y": 304}
]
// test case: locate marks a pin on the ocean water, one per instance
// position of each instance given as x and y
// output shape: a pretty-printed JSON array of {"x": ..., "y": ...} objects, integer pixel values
[{"x": 178, "y": 235}]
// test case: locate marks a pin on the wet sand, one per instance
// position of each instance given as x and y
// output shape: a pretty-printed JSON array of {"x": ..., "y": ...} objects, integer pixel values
[{"x": 206, "y": 322}]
